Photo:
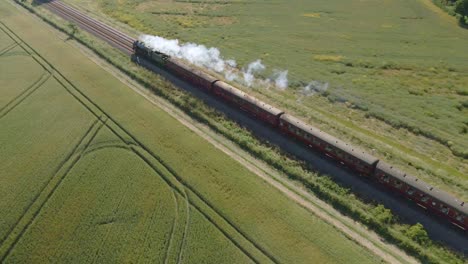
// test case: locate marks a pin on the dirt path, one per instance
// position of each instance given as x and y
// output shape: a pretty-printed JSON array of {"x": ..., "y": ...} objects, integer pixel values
[
  {"x": 352, "y": 229},
  {"x": 349, "y": 227}
]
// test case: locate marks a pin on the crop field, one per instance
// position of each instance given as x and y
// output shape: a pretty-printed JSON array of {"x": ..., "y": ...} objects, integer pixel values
[
  {"x": 397, "y": 70},
  {"x": 92, "y": 172}
]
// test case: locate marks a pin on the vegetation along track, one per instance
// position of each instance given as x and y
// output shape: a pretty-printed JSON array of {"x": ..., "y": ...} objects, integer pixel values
[
  {"x": 129, "y": 142},
  {"x": 124, "y": 43}
]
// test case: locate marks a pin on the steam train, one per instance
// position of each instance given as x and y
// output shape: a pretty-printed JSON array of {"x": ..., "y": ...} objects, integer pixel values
[{"x": 433, "y": 200}]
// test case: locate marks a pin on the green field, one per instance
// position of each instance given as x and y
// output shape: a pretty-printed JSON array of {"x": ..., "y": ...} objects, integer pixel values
[
  {"x": 397, "y": 69},
  {"x": 92, "y": 172}
]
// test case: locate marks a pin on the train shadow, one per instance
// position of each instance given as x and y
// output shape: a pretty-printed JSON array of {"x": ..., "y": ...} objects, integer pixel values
[
  {"x": 365, "y": 188},
  {"x": 40, "y": 2}
]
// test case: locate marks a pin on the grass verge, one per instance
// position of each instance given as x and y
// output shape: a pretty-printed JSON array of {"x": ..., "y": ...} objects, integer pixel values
[{"x": 375, "y": 217}]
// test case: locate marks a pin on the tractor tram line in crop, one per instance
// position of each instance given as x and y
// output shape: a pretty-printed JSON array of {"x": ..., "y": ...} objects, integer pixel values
[
  {"x": 293, "y": 131},
  {"x": 126, "y": 141}
]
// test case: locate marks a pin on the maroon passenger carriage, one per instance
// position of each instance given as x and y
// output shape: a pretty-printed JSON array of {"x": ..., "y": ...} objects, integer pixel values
[
  {"x": 247, "y": 103},
  {"x": 352, "y": 157},
  {"x": 435, "y": 201},
  {"x": 426, "y": 196},
  {"x": 190, "y": 74}
]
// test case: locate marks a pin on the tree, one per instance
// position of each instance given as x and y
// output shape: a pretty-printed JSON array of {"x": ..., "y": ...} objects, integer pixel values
[
  {"x": 418, "y": 233},
  {"x": 461, "y": 8},
  {"x": 73, "y": 29},
  {"x": 382, "y": 214}
]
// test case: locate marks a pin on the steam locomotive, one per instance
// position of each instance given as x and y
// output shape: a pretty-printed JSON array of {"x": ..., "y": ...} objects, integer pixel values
[{"x": 433, "y": 200}]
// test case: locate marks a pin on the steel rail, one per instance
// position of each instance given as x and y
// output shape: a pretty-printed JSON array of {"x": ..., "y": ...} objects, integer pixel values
[
  {"x": 94, "y": 29},
  {"x": 119, "y": 40},
  {"x": 75, "y": 12},
  {"x": 91, "y": 24}
]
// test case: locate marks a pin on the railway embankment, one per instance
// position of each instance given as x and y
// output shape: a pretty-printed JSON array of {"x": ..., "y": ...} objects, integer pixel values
[{"x": 376, "y": 217}]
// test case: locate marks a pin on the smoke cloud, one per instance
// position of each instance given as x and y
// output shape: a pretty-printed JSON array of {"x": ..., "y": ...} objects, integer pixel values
[
  {"x": 211, "y": 59},
  {"x": 254, "y": 67},
  {"x": 281, "y": 80},
  {"x": 314, "y": 87},
  {"x": 199, "y": 55}
]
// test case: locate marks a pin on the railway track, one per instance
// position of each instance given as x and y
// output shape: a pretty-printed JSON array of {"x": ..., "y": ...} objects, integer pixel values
[
  {"x": 114, "y": 37},
  {"x": 438, "y": 230}
]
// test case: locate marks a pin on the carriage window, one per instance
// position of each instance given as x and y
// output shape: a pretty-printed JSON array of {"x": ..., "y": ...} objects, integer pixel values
[
  {"x": 410, "y": 191},
  {"x": 434, "y": 203},
  {"x": 339, "y": 154},
  {"x": 399, "y": 184},
  {"x": 460, "y": 217},
  {"x": 386, "y": 178},
  {"x": 424, "y": 198},
  {"x": 444, "y": 209}
]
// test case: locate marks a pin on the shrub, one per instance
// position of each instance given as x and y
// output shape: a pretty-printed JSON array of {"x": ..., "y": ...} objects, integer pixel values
[
  {"x": 377, "y": 218},
  {"x": 461, "y": 8},
  {"x": 382, "y": 214},
  {"x": 417, "y": 233}
]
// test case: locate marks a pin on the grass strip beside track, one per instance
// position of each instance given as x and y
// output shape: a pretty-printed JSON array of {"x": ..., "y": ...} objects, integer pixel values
[
  {"x": 251, "y": 205},
  {"x": 325, "y": 188}
]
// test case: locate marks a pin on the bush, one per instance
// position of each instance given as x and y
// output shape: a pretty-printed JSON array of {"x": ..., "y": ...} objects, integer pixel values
[
  {"x": 377, "y": 218},
  {"x": 382, "y": 214},
  {"x": 457, "y": 8},
  {"x": 417, "y": 233},
  {"x": 461, "y": 7}
]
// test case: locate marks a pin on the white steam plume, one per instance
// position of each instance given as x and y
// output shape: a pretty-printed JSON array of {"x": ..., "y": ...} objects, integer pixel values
[
  {"x": 199, "y": 55},
  {"x": 314, "y": 87},
  {"x": 254, "y": 67},
  {"x": 281, "y": 79},
  {"x": 230, "y": 75},
  {"x": 211, "y": 59}
]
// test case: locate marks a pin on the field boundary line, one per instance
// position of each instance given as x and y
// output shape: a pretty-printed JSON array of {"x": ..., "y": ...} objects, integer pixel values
[
  {"x": 5, "y": 250},
  {"x": 79, "y": 91},
  {"x": 150, "y": 225},
  {"x": 186, "y": 229},
  {"x": 265, "y": 173},
  {"x": 112, "y": 142},
  {"x": 24, "y": 95},
  {"x": 173, "y": 228},
  {"x": 56, "y": 171},
  {"x": 86, "y": 98},
  {"x": 121, "y": 127},
  {"x": 394, "y": 254},
  {"x": 8, "y": 48},
  {"x": 56, "y": 74},
  {"x": 31, "y": 88},
  {"x": 26, "y": 47},
  {"x": 105, "y": 146},
  {"x": 230, "y": 148},
  {"x": 114, "y": 213},
  {"x": 172, "y": 185},
  {"x": 144, "y": 147},
  {"x": 77, "y": 156}
]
